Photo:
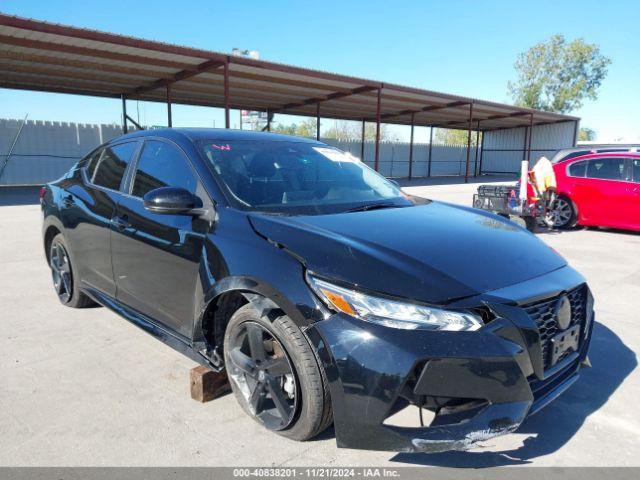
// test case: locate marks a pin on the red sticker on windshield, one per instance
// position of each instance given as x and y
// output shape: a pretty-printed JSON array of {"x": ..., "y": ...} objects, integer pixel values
[{"x": 226, "y": 147}]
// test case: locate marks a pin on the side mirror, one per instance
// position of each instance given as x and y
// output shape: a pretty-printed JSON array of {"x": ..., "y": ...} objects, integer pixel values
[{"x": 171, "y": 201}]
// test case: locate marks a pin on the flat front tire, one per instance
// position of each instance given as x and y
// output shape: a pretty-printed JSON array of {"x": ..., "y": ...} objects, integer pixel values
[{"x": 275, "y": 376}]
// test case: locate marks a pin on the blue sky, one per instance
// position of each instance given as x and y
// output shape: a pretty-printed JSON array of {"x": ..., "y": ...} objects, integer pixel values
[{"x": 460, "y": 47}]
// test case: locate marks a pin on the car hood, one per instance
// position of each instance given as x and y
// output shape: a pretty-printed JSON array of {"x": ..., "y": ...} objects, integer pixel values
[{"x": 433, "y": 253}]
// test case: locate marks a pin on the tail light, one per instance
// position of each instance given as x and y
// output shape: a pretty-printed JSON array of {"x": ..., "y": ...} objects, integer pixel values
[{"x": 43, "y": 192}]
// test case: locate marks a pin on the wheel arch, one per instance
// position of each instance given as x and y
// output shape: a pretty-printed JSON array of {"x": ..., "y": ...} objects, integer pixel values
[
  {"x": 51, "y": 227},
  {"x": 225, "y": 298}
]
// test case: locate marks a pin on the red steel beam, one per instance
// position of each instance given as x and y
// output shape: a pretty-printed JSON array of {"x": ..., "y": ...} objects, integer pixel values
[
  {"x": 326, "y": 98},
  {"x": 227, "y": 120},
  {"x": 169, "y": 121},
  {"x": 377, "y": 154},
  {"x": 181, "y": 75},
  {"x": 411, "y": 147},
  {"x": 428, "y": 108},
  {"x": 466, "y": 172}
]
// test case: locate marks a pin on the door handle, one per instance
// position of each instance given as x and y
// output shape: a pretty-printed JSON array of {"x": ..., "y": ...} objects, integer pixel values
[
  {"x": 120, "y": 223},
  {"x": 68, "y": 201}
]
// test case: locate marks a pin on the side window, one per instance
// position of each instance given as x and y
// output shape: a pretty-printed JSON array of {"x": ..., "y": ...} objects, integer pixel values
[
  {"x": 577, "y": 169},
  {"x": 162, "y": 165},
  {"x": 607, "y": 168},
  {"x": 110, "y": 167},
  {"x": 635, "y": 165},
  {"x": 91, "y": 162}
]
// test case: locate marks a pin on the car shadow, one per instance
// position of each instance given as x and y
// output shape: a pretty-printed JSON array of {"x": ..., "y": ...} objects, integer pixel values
[{"x": 555, "y": 425}]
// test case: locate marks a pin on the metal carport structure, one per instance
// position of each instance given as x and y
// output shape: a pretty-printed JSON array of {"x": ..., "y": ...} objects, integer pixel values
[{"x": 42, "y": 56}]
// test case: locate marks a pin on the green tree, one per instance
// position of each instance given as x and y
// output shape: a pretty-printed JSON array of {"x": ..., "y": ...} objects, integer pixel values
[
  {"x": 586, "y": 134},
  {"x": 448, "y": 136},
  {"x": 557, "y": 76},
  {"x": 306, "y": 128},
  {"x": 342, "y": 130}
]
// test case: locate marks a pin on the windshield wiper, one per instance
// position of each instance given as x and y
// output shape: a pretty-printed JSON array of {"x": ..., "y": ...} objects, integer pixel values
[{"x": 373, "y": 206}]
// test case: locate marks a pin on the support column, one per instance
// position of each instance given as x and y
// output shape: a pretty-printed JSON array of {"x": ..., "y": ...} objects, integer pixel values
[
  {"x": 268, "y": 121},
  {"x": 530, "y": 135},
  {"x": 475, "y": 161},
  {"x": 411, "y": 148},
  {"x": 430, "y": 145},
  {"x": 466, "y": 172},
  {"x": 362, "y": 143},
  {"x": 227, "y": 120},
  {"x": 169, "y": 122},
  {"x": 125, "y": 130},
  {"x": 575, "y": 133},
  {"x": 377, "y": 154},
  {"x": 481, "y": 153},
  {"x": 318, "y": 121}
]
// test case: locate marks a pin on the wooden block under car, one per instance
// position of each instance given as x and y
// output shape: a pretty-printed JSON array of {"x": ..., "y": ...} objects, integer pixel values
[{"x": 207, "y": 384}]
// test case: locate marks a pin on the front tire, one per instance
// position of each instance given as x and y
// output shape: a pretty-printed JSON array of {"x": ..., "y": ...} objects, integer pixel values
[
  {"x": 64, "y": 275},
  {"x": 275, "y": 376}
]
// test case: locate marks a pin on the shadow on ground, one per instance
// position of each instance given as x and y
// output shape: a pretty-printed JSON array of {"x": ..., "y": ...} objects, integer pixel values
[
  {"x": 10, "y": 196},
  {"x": 554, "y": 426}
]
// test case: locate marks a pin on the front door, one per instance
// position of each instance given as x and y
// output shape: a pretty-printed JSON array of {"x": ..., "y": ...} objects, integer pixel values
[{"x": 156, "y": 257}]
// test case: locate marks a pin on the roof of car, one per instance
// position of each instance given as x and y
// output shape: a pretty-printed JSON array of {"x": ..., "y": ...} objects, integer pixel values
[
  {"x": 217, "y": 134},
  {"x": 593, "y": 155}
]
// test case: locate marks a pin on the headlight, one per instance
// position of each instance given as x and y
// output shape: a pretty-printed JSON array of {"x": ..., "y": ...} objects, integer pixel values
[{"x": 392, "y": 313}]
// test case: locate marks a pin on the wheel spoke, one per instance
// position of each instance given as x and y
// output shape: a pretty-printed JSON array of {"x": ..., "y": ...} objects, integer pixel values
[
  {"x": 66, "y": 281},
  {"x": 256, "y": 398},
  {"x": 243, "y": 362},
  {"x": 256, "y": 342},
  {"x": 276, "y": 366},
  {"x": 284, "y": 409}
]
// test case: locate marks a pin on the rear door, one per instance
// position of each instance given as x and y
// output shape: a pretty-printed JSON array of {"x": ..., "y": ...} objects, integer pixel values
[
  {"x": 156, "y": 257},
  {"x": 88, "y": 208},
  {"x": 607, "y": 186}
]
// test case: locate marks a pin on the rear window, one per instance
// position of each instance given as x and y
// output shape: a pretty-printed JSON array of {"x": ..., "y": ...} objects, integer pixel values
[
  {"x": 578, "y": 169},
  {"x": 110, "y": 166},
  {"x": 607, "y": 168}
]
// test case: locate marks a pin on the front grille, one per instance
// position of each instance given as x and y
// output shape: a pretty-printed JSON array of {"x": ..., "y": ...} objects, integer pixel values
[{"x": 542, "y": 314}]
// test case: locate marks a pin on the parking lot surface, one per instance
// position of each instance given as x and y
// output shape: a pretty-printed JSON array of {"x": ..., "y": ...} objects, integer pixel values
[{"x": 86, "y": 388}]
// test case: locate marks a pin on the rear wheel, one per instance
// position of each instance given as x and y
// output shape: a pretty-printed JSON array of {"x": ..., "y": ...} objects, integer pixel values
[
  {"x": 275, "y": 376},
  {"x": 561, "y": 214},
  {"x": 64, "y": 275}
]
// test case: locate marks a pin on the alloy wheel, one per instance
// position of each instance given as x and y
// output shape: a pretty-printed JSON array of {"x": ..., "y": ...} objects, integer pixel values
[
  {"x": 261, "y": 369},
  {"x": 61, "y": 272},
  {"x": 560, "y": 213}
]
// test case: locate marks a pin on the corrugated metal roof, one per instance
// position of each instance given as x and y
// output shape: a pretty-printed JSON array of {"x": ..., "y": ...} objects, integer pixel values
[{"x": 36, "y": 55}]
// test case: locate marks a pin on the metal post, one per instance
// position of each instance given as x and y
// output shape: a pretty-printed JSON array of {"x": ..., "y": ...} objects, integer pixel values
[
  {"x": 125, "y": 130},
  {"x": 530, "y": 135},
  {"x": 362, "y": 143},
  {"x": 481, "y": 153},
  {"x": 227, "y": 121},
  {"x": 430, "y": 145},
  {"x": 318, "y": 121},
  {"x": 524, "y": 145},
  {"x": 268, "y": 121},
  {"x": 411, "y": 148},
  {"x": 475, "y": 162},
  {"x": 575, "y": 133},
  {"x": 466, "y": 172},
  {"x": 377, "y": 155},
  {"x": 169, "y": 122}
]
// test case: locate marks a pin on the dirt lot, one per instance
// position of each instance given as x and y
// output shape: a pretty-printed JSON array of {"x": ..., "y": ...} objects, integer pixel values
[{"x": 84, "y": 387}]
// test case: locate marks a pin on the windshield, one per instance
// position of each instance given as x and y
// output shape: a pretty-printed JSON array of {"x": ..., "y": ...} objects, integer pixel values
[{"x": 297, "y": 177}]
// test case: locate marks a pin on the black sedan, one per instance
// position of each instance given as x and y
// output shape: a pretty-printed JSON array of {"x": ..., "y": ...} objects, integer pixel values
[{"x": 325, "y": 292}]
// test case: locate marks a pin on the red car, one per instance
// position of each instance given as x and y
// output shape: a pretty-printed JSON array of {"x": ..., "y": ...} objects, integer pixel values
[{"x": 598, "y": 189}]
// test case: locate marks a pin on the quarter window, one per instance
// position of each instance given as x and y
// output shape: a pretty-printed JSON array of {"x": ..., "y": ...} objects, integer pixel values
[
  {"x": 635, "y": 165},
  {"x": 578, "y": 169},
  {"x": 162, "y": 165},
  {"x": 607, "y": 168},
  {"x": 110, "y": 166}
]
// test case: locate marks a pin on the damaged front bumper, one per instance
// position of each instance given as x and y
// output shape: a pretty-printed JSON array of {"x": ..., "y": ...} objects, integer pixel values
[{"x": 480, "y": 384}]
